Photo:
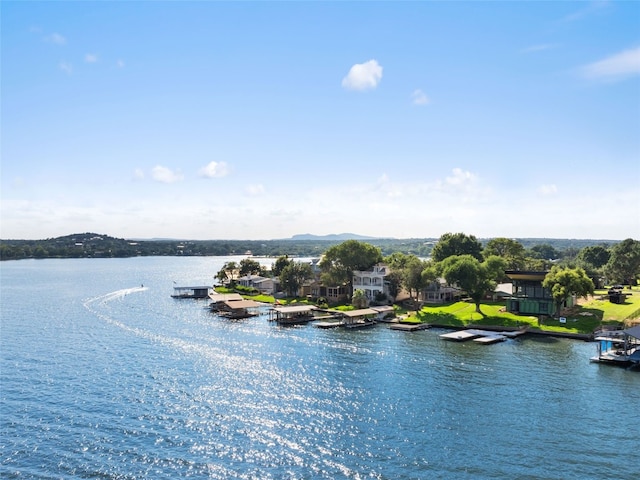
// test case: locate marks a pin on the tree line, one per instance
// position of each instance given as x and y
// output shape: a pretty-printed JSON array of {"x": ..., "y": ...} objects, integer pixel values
[
  {"x": 93, "y": 245},
  {"x": 461, "y": 260}
]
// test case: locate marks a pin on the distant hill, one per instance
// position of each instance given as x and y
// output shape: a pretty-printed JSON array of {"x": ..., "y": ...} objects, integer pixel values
[
  {"x": 331, "y": 237},
  {"x": 94, "y": 245}
]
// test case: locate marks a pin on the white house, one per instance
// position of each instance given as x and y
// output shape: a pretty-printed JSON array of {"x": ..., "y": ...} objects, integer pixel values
[{"x": 371, "y": 281}]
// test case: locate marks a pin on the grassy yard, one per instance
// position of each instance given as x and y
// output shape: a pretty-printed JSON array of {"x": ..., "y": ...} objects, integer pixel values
[{"x": 584, "y": 318}]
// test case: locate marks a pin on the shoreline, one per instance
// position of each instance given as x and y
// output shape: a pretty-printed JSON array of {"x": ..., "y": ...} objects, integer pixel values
[{"x": 586, "y": 337}]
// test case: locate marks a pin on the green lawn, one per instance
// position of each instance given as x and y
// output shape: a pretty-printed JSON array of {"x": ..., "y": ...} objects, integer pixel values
[{"x": 582, "y": 319}]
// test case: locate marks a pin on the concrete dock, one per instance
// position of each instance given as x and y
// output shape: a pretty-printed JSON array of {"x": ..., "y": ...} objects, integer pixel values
[
  {"x": 408, "y": 327},
  {"x": 481, "y": 336}
]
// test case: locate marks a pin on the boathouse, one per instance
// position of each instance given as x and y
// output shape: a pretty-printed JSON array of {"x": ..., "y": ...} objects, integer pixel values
[
  {"x": 292, "y": 314},
  {"x": 363, "y": 317},
  {"x": 239, "y": 308},
  {"x": 620, "y": 347},
  {"x": 192, "y": 292}
]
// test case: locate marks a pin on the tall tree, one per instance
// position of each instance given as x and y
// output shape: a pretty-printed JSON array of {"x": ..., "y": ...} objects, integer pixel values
[
  {"x": 281, "y": 262},
  {"x": 412, "y": 275},
  {"x": 472, "y": 276},
  {"x": 595, "y": 256},
  {"x": 544, "y": 251},
  {"x": 293, "y": 276},
  {"x": 511, "y": 250},
  {"x": 227, "y": 272},
  {"x": 451, "y": 244},
  {"x": 565, "y": 282},
  {"x": 624, "y": 264},
  {"x": 248, "y": 266},
  {"x": 340, "y": 261}
]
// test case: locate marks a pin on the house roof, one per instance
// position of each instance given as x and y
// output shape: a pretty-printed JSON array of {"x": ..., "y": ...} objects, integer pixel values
[
  {"x": 253, "y": 278},
  {"x": 525, "y": 275},
  {"x": 633, "y": 331}
]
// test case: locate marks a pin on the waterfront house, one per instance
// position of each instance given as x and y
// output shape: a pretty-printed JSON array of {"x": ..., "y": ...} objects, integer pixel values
[
  {"x": 529, "y": 297},
  {"x": 372, "y": 282},
  {"x": 440, "y": 292}
]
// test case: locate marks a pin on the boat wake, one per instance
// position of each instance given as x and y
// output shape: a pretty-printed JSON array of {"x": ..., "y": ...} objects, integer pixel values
[{"x": 113, "y": 295}]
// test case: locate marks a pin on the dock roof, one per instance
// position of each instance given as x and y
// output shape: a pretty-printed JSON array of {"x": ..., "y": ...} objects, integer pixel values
[
  {"x": 359, "y": 313},
  {"x": 225, "y": 297},
  {"x": 241, "y": 304},
  {"x": 295, "y": 309}
]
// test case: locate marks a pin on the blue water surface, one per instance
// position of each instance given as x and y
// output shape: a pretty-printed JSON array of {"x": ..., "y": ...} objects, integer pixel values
[{"x": 104, "y": 375}]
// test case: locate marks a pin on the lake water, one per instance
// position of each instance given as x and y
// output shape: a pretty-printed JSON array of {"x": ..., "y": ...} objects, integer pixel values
[{"x": 102, "y": 377}]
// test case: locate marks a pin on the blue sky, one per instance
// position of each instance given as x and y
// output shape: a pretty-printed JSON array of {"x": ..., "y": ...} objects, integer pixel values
[{"x": 215, "y": 120}]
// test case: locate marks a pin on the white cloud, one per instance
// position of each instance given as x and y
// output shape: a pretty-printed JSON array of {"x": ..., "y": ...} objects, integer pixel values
[
  {"x": 550, "y": 189},
  {"x": 56, "y": 38},
  {"x": 420, "y": 98},
  {"x": 214, "y": 170},
  {"x": 623, "y": 64},
  {"x": 255, "y": 190},
  {"x": 91, "y": 58},
  {"x": 66, "y": 67},
  {"x": 165, "y": 175},
  {"x": 460, "y": 177},
  {"x": 363, "y": 76}
]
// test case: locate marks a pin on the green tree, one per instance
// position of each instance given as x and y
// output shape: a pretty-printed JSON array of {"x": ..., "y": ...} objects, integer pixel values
[
  {"x": 544, "y": 251},
  {"x": 412, "y": 276},
  {"x": 293, "y": 276},
  {"x": 281, "y": 262},
  {"x": 394, "y": 283},
  {"x": 451, "y": 244},
  {"x": 359, "y": 299},
  {"x": 511, "y": 250},
  {"x": 595, "y": 256},
  {"x": 248, "y": 266},
  {"x": 624, "y": 264},
  {"x": 472, "y": 276},
  {"x": 227, "y": 272},
  {"x": 565, "y": 282},
  {"x": 340, "y": 261}
]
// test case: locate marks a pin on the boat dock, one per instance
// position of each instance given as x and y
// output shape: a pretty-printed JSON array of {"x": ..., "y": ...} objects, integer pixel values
[
  {"x": 329, "y": 324},
  {"x": 408, "y": 327},
  {"x": 481, "y": 336}
]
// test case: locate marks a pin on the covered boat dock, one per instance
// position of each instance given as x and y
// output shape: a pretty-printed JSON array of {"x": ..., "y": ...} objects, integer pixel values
[{"x": 619, "y": 347}]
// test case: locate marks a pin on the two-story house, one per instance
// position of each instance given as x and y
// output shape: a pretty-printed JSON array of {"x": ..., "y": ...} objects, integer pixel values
[
  {"x": 372, "y": 282},
  {"x": 529, "y": 296}
]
